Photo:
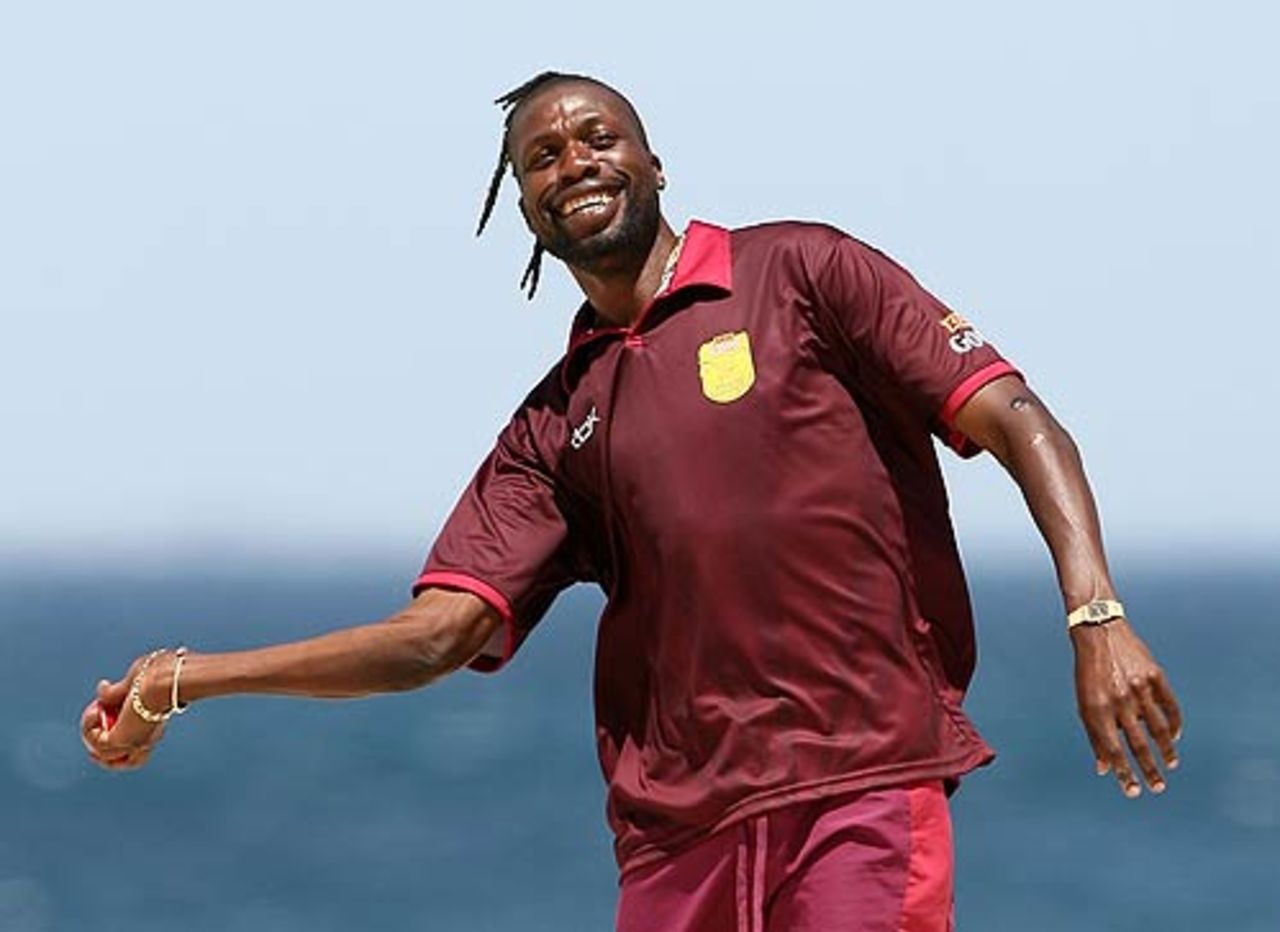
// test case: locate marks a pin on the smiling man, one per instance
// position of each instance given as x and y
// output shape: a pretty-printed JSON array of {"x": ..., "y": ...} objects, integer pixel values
[{"x": 737, "y": 446}]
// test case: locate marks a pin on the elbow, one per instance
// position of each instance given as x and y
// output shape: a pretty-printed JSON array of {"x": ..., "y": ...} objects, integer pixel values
[
  {"x": 423, "y": 657},
  {"x": 431, "y": 644},
  {"x": 1053, "y": 436},
  {"x": 1010, "y": 422},
  {"x": 419, "y": 661},
  {"x": 1038, "y": 430},
  {"x": 1043, "y": 452}
]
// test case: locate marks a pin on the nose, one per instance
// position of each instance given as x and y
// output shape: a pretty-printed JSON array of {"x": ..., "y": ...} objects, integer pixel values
[{"x": 578, "y": 161}]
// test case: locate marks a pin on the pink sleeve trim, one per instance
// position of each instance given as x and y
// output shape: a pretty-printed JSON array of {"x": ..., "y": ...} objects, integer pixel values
[
  {"x": 966, "y": 389},
  {"x": 962, "y": 393},
  {"x": 483, "y": 662}
]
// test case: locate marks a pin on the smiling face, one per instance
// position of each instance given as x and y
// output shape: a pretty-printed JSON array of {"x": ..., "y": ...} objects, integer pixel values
[{"x": 588, "y": 182}]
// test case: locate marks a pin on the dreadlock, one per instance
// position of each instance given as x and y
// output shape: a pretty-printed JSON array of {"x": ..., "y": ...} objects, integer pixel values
[{"x": 510, "y": 102}]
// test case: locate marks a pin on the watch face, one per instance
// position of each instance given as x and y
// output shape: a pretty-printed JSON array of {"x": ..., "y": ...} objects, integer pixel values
[{"x": 1095, "y": 612}]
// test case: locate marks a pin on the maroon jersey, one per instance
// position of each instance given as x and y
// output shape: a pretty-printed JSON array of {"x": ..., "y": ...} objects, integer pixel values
[{"x": 749, "y": 475}]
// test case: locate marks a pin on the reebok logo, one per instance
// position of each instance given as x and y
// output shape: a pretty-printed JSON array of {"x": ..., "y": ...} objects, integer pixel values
[{"x": 582, "y": 433}]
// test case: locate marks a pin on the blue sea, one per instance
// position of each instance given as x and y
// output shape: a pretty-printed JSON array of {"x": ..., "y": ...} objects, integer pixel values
[{"x": 477, "y": 804}]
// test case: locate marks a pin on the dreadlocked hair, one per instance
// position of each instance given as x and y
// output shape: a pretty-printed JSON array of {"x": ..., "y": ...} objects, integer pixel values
[{"x": 510, "y": 103}]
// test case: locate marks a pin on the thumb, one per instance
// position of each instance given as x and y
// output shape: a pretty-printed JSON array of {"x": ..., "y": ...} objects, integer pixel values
[{"x": 112, "y": 695}]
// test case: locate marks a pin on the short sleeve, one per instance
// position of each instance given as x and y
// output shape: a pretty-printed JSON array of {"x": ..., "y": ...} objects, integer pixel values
[
  {"x": 506, "y": 541},
  {"x": 916, "y": 345}
]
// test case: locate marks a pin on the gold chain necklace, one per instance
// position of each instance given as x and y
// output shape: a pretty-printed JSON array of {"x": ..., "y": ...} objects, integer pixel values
[{"x": 669, "y": 269}]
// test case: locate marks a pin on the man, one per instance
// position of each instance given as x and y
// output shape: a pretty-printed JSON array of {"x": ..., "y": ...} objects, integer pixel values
[{"x": 736, "y": 447}]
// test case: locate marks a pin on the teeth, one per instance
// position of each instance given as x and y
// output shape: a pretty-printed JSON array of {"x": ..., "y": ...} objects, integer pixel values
[{"x": 584, "y": 202}]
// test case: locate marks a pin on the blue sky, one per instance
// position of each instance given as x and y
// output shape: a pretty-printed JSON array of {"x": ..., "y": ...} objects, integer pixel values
[{"x": 244, "y": 310}]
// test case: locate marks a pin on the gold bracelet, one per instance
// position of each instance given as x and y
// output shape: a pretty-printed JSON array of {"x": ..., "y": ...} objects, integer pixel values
[
  {"x": 1097, "y": 612},
  {"x": 135, "y": 693},
  {"x": 176, "y": 707}
]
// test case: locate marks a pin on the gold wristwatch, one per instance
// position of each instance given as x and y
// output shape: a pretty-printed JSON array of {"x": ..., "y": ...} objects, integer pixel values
[{"x": 1097, "y": 612}]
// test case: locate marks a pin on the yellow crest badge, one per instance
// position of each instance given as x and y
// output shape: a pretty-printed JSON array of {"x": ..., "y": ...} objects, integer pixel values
[{"x": 725, "y": 367}]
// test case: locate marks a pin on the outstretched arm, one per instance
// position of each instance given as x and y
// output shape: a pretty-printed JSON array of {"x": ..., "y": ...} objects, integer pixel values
[
  {"x": 435, "y": 634},
  {"x": 1119, "y": 686}
]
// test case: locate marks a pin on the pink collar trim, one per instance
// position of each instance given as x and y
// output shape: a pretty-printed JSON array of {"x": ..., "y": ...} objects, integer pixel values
[{"x": 706, "y": 260}]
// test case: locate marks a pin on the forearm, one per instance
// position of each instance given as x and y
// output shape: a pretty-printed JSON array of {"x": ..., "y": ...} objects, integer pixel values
[
  {"x": 1015, "y": 426},
  {"x": 432, "y": 636},
  {"x": 1046, "y": 464}
]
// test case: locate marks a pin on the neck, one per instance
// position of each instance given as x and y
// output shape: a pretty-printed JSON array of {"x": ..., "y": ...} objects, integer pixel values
[{"x": 620, "y": 293}]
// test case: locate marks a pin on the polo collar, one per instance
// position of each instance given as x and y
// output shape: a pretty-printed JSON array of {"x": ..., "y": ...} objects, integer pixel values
[{"x": 705, "y": 261}]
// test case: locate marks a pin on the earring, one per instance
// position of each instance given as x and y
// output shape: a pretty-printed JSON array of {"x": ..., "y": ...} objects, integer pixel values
[{"x": 662, "y": 184}]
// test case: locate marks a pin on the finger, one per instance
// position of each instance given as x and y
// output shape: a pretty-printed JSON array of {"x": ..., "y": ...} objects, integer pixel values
[
  {"x": 112, "y": 695},
  {"x": 1158, "y": 727},
  {"x": 1115, "y": 759},
  {"x": 133, "y": 760},
  {"x": 94, "y": 725},
  {"x": 1141, "y": 749},
  {"x": 117, "y": 758},
  {"x": 109, "y": 761},
  {"x": 1096, "y": 743},
  {"x": 1169, "y": 705},
  {"x": 130, "y": 735},
  {"x": 90, "y": 727},
  {"x": 115, "y": 743},
  {"x": 89, "y": 717}
]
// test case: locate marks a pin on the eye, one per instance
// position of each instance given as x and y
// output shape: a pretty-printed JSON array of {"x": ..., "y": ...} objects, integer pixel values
[
  {"x": 541, "y": 158},
  {"x": 601, "y": 139}
]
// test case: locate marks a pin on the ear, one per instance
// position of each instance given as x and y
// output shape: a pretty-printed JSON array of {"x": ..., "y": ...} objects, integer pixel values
[{"x": 657, "y": 166}]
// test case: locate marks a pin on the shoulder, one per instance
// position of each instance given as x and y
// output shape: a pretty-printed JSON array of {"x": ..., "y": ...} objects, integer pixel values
[
  {"x": 787, "y": 235},
  {"x": 796, "y": 253},
  {"x": 536, "y": 428},
  {"x": 812, "y": 244}
]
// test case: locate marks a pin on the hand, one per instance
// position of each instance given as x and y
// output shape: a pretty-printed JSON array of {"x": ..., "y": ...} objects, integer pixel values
[
  {"x": 1120, "y": 688},
  {"x": 113, "y": 734}
]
